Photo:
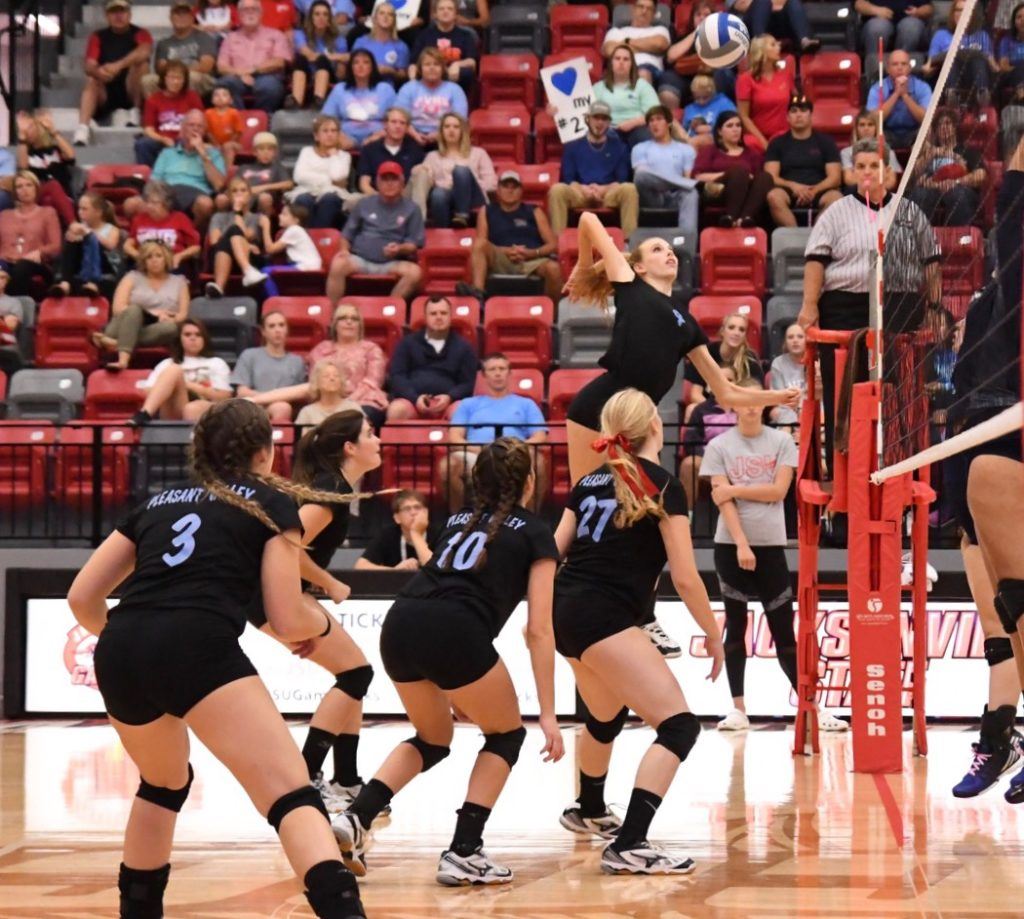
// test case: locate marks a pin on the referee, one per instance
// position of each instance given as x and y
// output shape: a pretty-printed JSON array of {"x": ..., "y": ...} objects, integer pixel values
[{"x": 840, "y": 261}]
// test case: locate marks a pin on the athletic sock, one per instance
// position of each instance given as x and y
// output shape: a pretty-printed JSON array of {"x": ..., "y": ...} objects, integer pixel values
[
  {"x": 591, "y": 799},
  {"x": 142, "y": 891},
  {"x": 469, "y": 828},
  {"x": 373, "y": 797},
  {"x": 643, "y": 805},
  {"x": 314, "y": 750},
  {"x": 346, "y": 772}
]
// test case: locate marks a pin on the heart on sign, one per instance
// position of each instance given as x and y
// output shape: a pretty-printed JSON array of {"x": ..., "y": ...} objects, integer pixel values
[{"x": 564, "y": 81}]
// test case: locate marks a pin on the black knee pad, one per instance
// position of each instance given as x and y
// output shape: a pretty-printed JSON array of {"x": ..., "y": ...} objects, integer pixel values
[
  {"x": 170, "y": 798},
  {"x": 307, "y": 796},
  {"x": 1010, "y": 603},
  {"x": 506, "y": 745},
  {"x": 998, "y": 650},
  {"x": 431, "y": 754},
  {"x": 606, "y": 731},
  {"x": 678, "y": 734},
  {"x": 332, "y": 891},
  {"x": 142, "y": 892},
  {"x": 355, "y": 682}
]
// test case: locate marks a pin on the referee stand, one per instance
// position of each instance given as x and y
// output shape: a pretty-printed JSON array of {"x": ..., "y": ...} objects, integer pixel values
[{"x": 873, "y": 583}]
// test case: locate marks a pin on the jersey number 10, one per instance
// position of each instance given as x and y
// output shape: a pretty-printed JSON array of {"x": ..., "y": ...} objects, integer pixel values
[{"x": 469, "y": 550}]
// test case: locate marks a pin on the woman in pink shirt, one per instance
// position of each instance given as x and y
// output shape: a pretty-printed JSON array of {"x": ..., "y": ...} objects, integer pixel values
[
  {"x": 29, "y": 239},
  {"x": 733, "y": 173},
  {"x": 762, "y": 93},
  {"x": 361, "y": 362},
  {"x": 455, "y": 178}
]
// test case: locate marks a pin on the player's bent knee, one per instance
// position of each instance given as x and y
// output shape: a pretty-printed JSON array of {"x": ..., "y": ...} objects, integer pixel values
[
  {"x": 506, "y": 745},
  {"x": 998, "y": 650},
  {"x": 431, "y": 754},
  {"x": 355, "y": 682},
  {"x": 171, "y": 799},
  {"x": 606, "y": 731},
  {"x": 142, "y": 891},
  {"x": 678, "y": 734},
  {"x": 307, "y": 796},
  {"x": 1010, "y": 603}
]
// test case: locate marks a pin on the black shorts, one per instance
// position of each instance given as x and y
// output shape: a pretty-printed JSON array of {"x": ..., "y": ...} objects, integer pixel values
[
  {"x": 152, "y": 664},
  {"x": 117, "y": 96},
  {"x": 815, "y": 203},
  {"x": 956, "y": 469},
  {"x": 585, "y": 408},
  {"x": 185, "y": 196},
  {"x": 769, "y": 582},
  {"x": 436, "y": 640},
  {"x": 580, "y": 623}
]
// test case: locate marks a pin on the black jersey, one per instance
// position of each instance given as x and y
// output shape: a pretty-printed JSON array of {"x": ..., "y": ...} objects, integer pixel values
[
  {"x": 493, "y": 590},
  {"x": 651, "y": 334},
  {"x": 621, "y": 566},
  {"x": 322, "y": 548},
  {"x": 193, "y": 552}
]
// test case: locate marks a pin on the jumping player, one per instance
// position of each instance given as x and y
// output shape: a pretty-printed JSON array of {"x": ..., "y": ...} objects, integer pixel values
[
  {"x": 437, "y": 647},
  {"x": 651, "y": 334},
  {"x": 622, "y": 523},
  {"x": 167, "y": 659}
]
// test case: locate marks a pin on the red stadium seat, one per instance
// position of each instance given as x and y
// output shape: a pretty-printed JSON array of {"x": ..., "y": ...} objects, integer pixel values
[
  {"x": 284, "y": 448},
  {"x": 963, "y": 259},
  {"x": 523, "y": 382},
  {"x": 569, "y": 247},
  {"x": 311, "y": 283},
  {"x": 465, "y": 317},
  {"x": 444, "y": 260},
  {"x": 834, "y": 117},
  {"x": 64, "y": 328},
  {"x": 410, "y": 453},
  {"x": 253, "y": 121},
  {"x": 831, "y": 75},
  {"x": 502, "y": 131},
  {"x": 114, "y": 396},
  {"x": 546, "y": 145},
  {"x": 74, "y": 466},
  {"x": 520, "y": 327},
  {"x": 509, "y": 78},
  {"x": 980, "y": 131},
  {"x": 577, "y": 27},
  {"x": 595, "y": 63},
  {"x": 117, "y": 181},
  {"x": 24, "y": 456},
  {"x": 708, "y": 313},
  {"x": 563, "y": 386},
  {"x": 537, "y": 179},
  {"x": 558, "y": 464},
  {"x": 733, "y": 261},
  {"x": 383, "y": 319},
  {"x": 308, "y": 318},
  {"x": 3, "y": 386}
]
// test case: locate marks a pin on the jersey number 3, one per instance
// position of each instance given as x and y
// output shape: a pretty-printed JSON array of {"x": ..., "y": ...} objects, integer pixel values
[
  {"x": 588, "y": 506},
  {"x": 184, "y": 542}
]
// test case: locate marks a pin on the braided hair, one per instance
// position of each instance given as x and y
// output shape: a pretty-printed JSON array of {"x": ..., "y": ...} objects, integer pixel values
[
  {"x": 499, "y": 478},
  {"x": 224, "y": 441}
]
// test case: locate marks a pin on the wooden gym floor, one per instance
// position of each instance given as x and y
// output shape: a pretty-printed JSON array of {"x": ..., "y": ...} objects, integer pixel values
[{"x": 772, "y": 835}]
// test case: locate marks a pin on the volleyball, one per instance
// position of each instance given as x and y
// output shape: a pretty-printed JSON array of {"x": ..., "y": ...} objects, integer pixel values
[{"x": 722, "y": 40}]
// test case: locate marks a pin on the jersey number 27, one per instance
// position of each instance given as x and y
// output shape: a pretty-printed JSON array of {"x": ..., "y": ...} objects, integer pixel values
[
  {"x": 588, "y": 507},
  {"x": 184, "y": 542}
]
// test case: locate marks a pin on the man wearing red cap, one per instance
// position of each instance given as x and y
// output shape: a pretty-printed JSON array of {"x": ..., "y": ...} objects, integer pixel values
[{"x": 382, "y": 236}]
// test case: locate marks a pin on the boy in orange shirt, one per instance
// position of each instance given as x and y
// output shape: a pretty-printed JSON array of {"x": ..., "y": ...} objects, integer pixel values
[{"x": 224, "y": 125}]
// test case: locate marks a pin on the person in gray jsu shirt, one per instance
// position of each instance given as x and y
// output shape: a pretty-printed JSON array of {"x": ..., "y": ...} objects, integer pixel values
[
  {"x": 270, "y": 376},
  {"x": 196, "y": 49}
]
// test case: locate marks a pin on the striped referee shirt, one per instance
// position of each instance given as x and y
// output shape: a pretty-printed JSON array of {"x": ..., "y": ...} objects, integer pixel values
[{"x": 845, "y": 238}]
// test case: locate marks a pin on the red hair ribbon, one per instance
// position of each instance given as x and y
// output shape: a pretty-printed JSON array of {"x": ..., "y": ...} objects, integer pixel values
[{"x": 612, "y": 445}]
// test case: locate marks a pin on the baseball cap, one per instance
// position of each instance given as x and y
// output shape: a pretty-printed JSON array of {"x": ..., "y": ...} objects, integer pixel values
[
  {"x": 263, "y": 138},
  {"x": 181, "y": 5},
  {"x": 510, "y": 175},
  {"x": 390, "y": 168},
  {"x": 600, "y": 108},
  {"x": 799, "y": 100},
  {"x": 117, "y": 5}
]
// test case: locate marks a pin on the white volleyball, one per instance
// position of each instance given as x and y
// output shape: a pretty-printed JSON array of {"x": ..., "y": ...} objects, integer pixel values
[{"x": 722, "y": 40}]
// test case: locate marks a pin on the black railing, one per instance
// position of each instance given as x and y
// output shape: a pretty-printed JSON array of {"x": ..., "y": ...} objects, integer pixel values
[{"x": 20, "y": 76}]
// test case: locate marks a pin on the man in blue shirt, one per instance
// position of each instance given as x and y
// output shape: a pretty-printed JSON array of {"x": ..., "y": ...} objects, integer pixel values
[
  {"x": 595, "y": 173},
  {"x": 906, "y": 100},
  {"x": 193, "y": 168},
  {"x": 662, "y": 168},
  {"x": 479, "y": 420}
]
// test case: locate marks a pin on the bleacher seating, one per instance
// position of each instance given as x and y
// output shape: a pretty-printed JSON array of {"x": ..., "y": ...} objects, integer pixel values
[
  {"x": 114, "y": 396},
  {"x": 583, "y": 335},
  {"x": 24, "y": 460},
  {"x": 522, "y": 381},
  {"x": 709, "y": 312},
  {"x": 465, "y": 317},
  {"x": 445, "y": 260},
  {"x": 231, "y": 322},
  {"x": 383, "y": 319},
  {"x": 307, "y": 317},
  {"x": 733, "y": 261},
  {"x": 63, "y": 332},
  {"x": 45, "y": 395},
  {"x": 520, "y": 327}
]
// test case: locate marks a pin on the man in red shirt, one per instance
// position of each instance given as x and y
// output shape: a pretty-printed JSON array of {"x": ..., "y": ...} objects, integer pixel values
[
  {"x": 116, "y": 59},
  {"x": 156, "y": 220}
]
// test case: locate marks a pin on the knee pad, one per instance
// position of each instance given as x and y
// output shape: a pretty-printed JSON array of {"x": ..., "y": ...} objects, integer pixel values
[
  {"x": 998, "y": 650},
  {"x": 332, "y": 891},
  {"x": 678, "y": 734},
  {"x": 171, "y": 799},
  {"x": 506, "y": 745},
  {"x": 606, "y": 731},
  {"x": 1010, "y": 603},
  {"x": 431, "y": 754},
  {"x": 307, "y": 796},
  {"x": 355, "y": 682},
  {"x": 142, "y": 892}
]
